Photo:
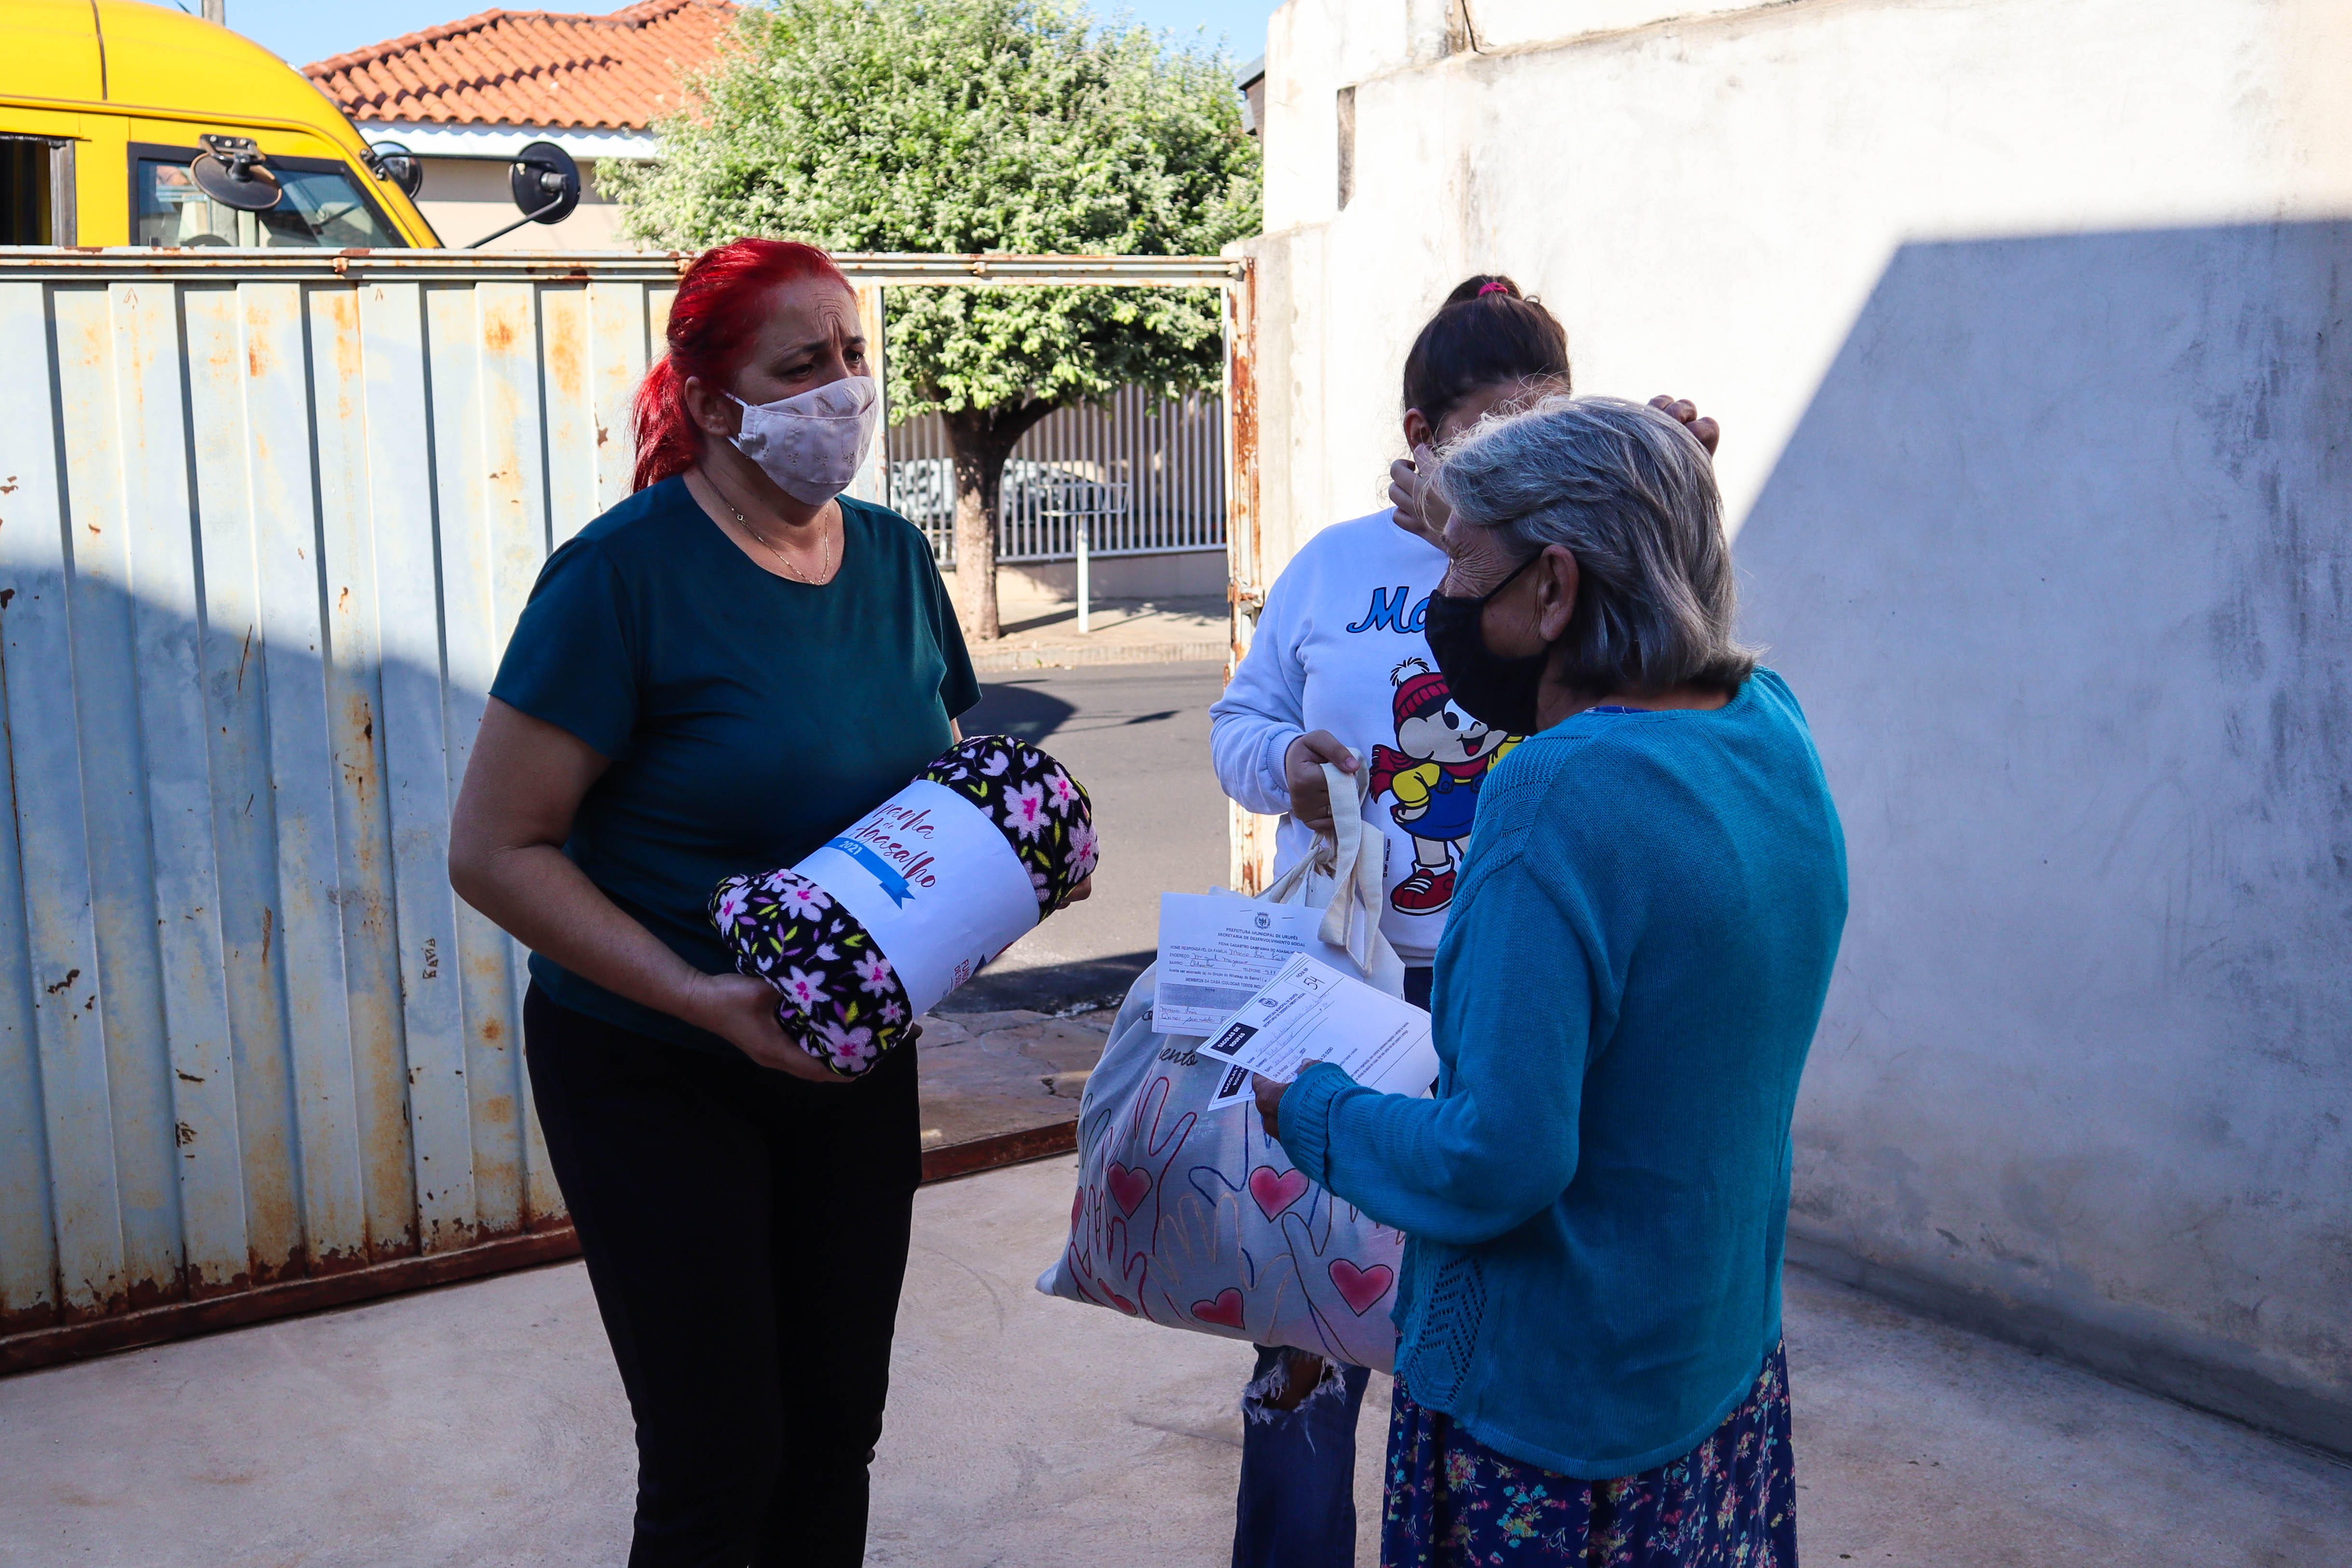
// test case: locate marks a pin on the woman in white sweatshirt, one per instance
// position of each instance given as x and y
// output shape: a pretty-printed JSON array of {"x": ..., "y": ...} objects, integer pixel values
[
  {"x": 1338, "y": 671},
  {"x": 1339, "y": 664}
]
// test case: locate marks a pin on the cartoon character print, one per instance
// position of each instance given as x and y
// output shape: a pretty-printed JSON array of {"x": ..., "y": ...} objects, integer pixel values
[{"x": 1432, "y": 777}]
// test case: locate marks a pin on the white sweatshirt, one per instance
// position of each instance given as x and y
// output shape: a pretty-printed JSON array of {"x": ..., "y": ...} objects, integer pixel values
[{"x": 1339, "y": 646}]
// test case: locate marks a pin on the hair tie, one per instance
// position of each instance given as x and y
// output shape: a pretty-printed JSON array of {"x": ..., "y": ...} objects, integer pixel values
[{"x": 1492, "y": 288}]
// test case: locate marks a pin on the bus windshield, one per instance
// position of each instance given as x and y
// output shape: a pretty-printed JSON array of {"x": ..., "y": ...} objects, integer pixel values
[{"x": 321, "y": 207}]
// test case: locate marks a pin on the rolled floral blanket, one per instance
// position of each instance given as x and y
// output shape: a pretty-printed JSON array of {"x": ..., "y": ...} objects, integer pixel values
[{"x": 869, "y": 933}]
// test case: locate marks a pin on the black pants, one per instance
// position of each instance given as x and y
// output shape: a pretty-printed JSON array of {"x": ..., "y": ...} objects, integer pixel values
[{"x": 746, "y": 1237}]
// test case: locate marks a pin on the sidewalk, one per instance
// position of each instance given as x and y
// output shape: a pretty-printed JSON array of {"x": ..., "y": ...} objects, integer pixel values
[
  {"x": 999, "y": 1088},
  {"x": 1120, "y": 631},
  {"x": 482, "y": 1425}
]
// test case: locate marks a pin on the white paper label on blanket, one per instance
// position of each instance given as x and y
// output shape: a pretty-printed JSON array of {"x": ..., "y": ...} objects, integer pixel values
[
  {"x": 935, "y": 882},
  {"x": 1216, "y": 949},
  {"x": 1309, "y": 1012}
]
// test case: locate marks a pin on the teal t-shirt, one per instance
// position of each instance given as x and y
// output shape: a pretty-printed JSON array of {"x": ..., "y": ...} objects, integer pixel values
[{"x": 748, "y": 718}]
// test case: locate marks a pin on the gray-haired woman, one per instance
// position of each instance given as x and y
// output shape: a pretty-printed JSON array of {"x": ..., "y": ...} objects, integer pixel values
[{"x": 1625, "y": 991}]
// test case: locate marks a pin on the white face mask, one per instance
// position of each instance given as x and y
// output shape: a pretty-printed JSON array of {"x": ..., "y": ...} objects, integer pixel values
[{"x": 811, "y": 444}]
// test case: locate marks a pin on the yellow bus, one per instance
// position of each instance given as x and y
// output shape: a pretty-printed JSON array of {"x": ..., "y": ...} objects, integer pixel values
[{"x": 126, "y": 123}]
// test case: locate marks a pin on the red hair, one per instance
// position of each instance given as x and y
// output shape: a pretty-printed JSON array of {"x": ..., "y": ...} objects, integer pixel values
[{"x": 712, "y": 321}]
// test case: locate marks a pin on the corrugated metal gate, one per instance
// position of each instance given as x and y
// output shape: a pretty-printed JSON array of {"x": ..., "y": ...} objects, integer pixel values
[{"x": 265, "y": 520}]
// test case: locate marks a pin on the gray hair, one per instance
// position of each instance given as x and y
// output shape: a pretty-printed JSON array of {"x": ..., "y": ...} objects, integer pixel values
[{"x": 1630, "y": 493}]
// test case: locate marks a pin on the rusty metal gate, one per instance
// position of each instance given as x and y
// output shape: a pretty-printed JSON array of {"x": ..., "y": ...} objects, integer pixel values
[
  {"x": 265, "y": 520},
  {"x": 1162, "y": 466}
]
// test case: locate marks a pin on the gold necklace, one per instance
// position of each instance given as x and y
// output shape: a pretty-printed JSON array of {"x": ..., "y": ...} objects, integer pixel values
[{"x": 825, "y": 571}]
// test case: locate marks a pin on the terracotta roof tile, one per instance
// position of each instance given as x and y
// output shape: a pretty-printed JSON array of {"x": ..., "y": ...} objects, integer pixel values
[{"x": 531, "y": 68}]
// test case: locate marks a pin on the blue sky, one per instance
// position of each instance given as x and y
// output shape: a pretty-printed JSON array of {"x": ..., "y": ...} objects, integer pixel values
[{"x": 305, "y": 30}]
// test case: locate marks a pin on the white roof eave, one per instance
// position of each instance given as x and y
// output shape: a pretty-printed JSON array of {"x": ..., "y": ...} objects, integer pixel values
[{"x": 501, "y": 142}]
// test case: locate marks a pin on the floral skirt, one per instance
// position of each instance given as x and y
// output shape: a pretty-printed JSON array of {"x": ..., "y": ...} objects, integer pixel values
[{"x": 1728, "y": 1503}]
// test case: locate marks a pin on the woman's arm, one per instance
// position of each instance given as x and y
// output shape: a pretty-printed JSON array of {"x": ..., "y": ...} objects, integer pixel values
[
  {"x": 1260, "y": 714},
  {"x": 523, "y": 783},
  {"x": 1517, "y": 1012},
  {"x": 1259, "y": 742}
]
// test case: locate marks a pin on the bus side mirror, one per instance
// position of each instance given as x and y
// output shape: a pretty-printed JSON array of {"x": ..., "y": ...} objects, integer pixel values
[
  {"x": 545, "y": 184},
  {"x": 396, "y": 165},
  {"x": 231, "y": 172}
]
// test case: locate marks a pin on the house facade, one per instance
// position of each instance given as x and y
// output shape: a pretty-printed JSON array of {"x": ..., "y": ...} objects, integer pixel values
[{"x": 466, "y": 96}]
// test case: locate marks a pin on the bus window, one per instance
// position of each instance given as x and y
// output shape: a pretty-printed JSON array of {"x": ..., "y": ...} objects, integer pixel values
[
  {"x": 24, "y": 190},
  {"x": 322, "y": 207}
]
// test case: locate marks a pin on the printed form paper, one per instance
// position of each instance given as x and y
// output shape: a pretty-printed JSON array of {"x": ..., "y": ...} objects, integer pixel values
[
  {"x": 1216, "y": 949},
  {"x": 1308, "y": 1012}
]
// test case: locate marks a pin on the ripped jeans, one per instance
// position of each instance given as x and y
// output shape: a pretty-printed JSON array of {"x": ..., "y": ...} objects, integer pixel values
[{"x": 1297, "y": 1502}]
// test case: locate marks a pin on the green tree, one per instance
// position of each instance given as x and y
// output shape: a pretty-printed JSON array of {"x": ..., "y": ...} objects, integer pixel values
[{"x": 972, "y": 125}]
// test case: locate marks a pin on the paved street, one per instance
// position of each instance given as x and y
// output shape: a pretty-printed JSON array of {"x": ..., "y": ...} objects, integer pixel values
[
  {"x": 1137, "y": 736},
  {"x": 482, "y": 1424},
  {"x": 1039, "y": 635}
]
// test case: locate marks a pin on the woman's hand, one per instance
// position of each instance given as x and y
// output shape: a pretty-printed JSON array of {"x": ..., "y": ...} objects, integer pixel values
[
  {"x": 1079, "y": 894},
  {"x": 1269, "y": 1099},
  {"x": 1302, "y": 771},
  {"x": 1708, "y": 431},
  {"x": 1269, "y": 1103},
  {"x": 741, "y": 1010},
  {"x": 1419, "y": 509}
]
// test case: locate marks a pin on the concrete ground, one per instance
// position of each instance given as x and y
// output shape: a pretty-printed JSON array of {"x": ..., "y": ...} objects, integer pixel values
[
  {"x": 482, "y": 1425},
  {"x": 986, "y": 1074},
  {"x": 1118, "y": 631}
]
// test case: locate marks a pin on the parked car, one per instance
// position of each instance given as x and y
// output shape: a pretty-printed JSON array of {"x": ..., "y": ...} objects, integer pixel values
[{"x": 1036, "y": 505}]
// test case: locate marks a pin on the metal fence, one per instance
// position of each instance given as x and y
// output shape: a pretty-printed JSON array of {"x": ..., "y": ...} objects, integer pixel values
[
  {"x": 266, "y": 521},
  {"x": 1147, "y": 478},
  {"x": 263, "y": 539}
]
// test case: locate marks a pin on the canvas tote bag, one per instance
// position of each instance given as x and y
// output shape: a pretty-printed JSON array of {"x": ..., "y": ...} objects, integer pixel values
[{"x": 1196, "y": 1219}]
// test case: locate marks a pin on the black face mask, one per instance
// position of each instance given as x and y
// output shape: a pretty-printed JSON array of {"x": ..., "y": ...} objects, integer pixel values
[{"x": 1491, "y": 689}]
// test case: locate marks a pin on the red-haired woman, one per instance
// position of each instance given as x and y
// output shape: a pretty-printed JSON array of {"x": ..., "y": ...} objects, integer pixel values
[{"x": 715, "y": 677}]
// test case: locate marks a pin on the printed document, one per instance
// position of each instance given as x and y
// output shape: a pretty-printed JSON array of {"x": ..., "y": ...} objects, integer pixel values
[
  {"x": 1216, "y": 949},
  {"x": 1308, "y": 1012}
]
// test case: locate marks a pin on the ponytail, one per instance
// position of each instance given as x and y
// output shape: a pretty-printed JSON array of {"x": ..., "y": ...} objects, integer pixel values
[
  {"x": 667, "y": 442},
  {"x": 1487, "y": 333}
]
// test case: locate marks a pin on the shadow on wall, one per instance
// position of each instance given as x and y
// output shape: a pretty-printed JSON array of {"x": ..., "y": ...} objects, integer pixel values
[{"x": 2059, "y": 562}]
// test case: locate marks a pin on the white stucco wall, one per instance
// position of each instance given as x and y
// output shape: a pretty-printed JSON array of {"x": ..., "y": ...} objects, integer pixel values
[
  {"x": 1708, "y": 204},
  {"x": 2023, "y": 319}
]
